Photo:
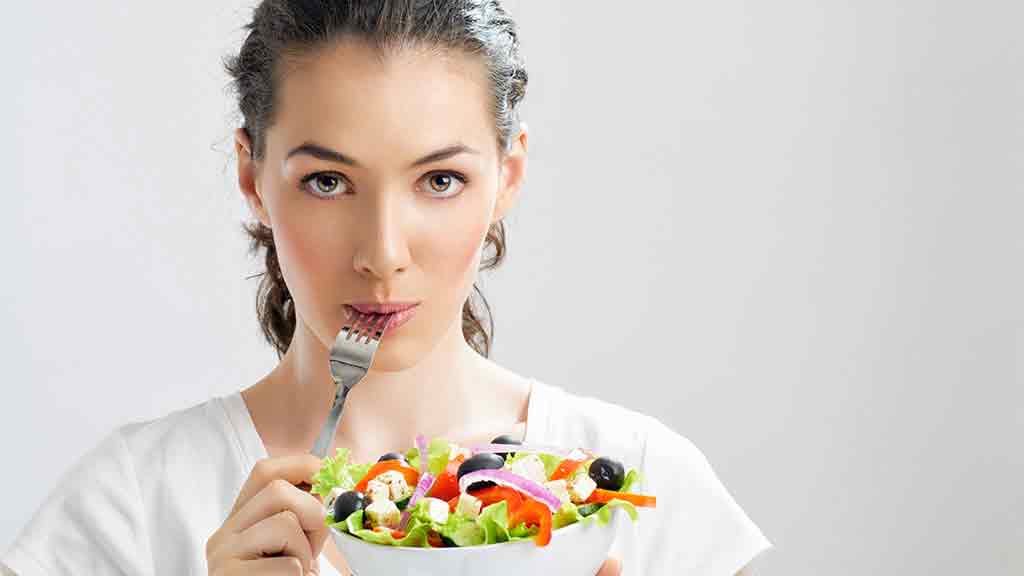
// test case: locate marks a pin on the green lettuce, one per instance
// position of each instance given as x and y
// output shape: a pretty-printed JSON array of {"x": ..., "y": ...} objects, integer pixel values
[
  {"x": 632, "y": 477},
  {"x": 338, "y": 472},
  {"x": 437, "y": 456},
  {"x": 550, "y": 461},
  {"x": 490, "y": 527},
  {"x": 415, "y": 536}
]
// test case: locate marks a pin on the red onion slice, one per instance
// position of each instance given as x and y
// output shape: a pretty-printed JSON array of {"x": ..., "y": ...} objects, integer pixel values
[
  {"x": 514, "y": 481},
  {"x": 421, "y": 444},
  {"x": 422, "y": 487}
]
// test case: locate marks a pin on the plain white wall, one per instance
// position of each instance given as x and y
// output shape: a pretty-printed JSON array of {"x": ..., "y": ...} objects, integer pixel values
[{"x": 791, "y": 230}]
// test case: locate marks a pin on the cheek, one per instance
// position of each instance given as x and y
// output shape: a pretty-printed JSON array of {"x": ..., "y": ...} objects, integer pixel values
[
  {"x": 460, "y": 254},
  {"x": 304, "y": 259}
]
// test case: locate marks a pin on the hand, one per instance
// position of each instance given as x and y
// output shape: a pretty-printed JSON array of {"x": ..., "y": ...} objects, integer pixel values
[
  {"x": 274, "y": 527},
  {"x": 611, "y": 567}
]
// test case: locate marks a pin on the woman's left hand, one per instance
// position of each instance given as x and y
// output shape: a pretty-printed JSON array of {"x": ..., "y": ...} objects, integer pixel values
[{"x": 611, "y": 567}]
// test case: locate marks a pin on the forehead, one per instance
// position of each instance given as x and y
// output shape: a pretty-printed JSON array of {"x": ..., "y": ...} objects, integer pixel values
[{"x": 381, "y": 104}]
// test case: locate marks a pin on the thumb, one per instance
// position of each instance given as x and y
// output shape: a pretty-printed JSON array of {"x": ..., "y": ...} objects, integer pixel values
[{"x": 611, "y": 567}]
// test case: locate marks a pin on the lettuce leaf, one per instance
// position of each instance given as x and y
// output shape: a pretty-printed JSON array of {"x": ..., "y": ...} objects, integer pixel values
[
  {"x": 415, "y": 536},
  {"x": 462, "y": 530},
  {"x": 338, "y": 472},
  {"x": 604, "y": 514},
  {"x": 632, "y": 477},
  {"x": 550, "y": 461},
  {"x": 566, "y": 515},
  {"x": 438, "y": 452}
]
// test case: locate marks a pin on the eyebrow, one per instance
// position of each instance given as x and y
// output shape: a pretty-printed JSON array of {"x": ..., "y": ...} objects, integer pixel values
[{"x": 324, "y": 153}]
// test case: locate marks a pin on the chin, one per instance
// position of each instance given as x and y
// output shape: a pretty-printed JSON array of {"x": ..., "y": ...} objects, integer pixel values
[{"x": 394, "y": 358}]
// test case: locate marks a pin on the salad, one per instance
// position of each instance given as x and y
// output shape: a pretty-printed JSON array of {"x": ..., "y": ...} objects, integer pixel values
[{"x": 440, "y": 494}]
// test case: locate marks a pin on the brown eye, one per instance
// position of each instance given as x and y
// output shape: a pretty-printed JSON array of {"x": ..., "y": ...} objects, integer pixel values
[
  {"x": 440, "y": 182},
  {"x": 443, "y": 184},
  {"x": 324, "y": 185}
]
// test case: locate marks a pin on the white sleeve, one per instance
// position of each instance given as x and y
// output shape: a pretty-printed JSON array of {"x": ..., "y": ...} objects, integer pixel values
[
  {"x": 90, "y": 523},
  {"x": 697, "y": 528}
]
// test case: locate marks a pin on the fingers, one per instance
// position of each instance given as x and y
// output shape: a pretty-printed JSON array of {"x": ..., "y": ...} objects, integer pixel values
[
  {"x": 295, "y": 468},
  {"x": 279, "y": 495},
  {"x": 274, "y": 527},
  {"x": 283, "y": 566},
  {"x": 278, "y": 535},
  {"x": 611, "y": 567}
]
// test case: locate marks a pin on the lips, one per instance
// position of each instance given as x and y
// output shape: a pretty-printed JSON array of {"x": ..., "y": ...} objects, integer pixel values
[
  {"x": 382, "y": 307},
  {"x": 397, "y": 314}
]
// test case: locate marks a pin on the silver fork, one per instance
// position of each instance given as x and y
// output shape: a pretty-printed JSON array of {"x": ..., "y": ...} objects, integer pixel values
[{"x": 351, "y": 357}]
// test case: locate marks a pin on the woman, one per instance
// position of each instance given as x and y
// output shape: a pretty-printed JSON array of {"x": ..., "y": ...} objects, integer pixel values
[{"x": 380, "y": 151}]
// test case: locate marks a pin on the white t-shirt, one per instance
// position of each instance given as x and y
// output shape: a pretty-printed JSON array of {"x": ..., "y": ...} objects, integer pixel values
[{"x": 147, "y": 497}]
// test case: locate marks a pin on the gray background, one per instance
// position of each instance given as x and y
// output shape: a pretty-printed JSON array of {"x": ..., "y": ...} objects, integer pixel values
[{"x": 789, "y": 229}]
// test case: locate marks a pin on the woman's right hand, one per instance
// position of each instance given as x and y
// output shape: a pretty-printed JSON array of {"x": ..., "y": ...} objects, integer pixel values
[{"x": 274, "y": 527}]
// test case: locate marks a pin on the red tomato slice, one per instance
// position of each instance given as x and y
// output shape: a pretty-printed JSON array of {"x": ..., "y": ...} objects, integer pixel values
[{"x": 446, "y": 486}]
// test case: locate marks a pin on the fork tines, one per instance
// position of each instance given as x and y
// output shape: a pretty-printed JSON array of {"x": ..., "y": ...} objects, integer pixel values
[{"x": 366, "y": 326}]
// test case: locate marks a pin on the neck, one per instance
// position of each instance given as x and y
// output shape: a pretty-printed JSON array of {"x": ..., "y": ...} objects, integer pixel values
[{"x": 439, "y": 394}]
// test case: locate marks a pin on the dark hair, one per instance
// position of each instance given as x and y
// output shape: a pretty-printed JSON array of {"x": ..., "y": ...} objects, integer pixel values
[{"x": 281, "y": 30}]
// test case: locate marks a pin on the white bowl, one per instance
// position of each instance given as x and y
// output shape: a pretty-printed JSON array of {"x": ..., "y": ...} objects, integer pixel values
[{"x": 579, "y": 549}]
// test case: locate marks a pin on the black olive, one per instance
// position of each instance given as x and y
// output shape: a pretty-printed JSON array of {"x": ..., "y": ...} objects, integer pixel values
[
  {"x": 392, "y": 456},
  {"x": 347, "y": 503},
  {"x": 607, "y": 473},
  {"x": 482, "y": 461},
  {"x": 505, "y": 439}
]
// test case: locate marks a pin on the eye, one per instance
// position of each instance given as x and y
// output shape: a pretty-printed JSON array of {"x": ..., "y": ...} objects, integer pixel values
[
  {"x": 444, "y": 184},
  {"x": 325, "y": 185}
]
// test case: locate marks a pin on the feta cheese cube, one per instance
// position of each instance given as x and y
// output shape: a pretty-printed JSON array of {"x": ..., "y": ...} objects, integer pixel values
[
  {"x": 377, "y": 490},
  {"x": 383, "y": 513},
  {"x": 530, "y": 467},
  {"x": 581, "y": 487},
  {"x": 436, "y": 509},
  {"x": 396, "y": 484},
  {"x": 329, "y": 501},
  {"x": 559, "y": 488},
  {"x": 454, "y": 450},
  {"x": 576, "y": 454},
  {"x": 468, "y": 505}
]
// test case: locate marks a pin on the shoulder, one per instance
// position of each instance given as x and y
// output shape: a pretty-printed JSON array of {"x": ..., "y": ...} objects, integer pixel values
[
  {"x": 709, "y": 532},
  {"x": 610, "y": 428},
  {"x": 580, "y": 420},
  {"x": 200, "y": 430}
]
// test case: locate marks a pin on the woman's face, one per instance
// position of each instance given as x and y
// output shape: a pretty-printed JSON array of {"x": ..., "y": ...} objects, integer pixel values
[{"x": 380, "y": 179}]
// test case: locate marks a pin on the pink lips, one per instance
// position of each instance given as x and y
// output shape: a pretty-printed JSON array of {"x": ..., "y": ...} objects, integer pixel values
[
  {"x": 400, "y": 312},
  {"x": 382, "y": 307}
]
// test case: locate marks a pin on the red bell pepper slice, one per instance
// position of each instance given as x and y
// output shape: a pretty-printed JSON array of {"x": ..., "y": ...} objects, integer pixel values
[
  {"x": 601, "y": 496},
  {"x": 412, "y": 477},
  {"x": 566, "y": 468},
  {"x": 492, "y": 494},
  {"x": 533, "y": 513}
]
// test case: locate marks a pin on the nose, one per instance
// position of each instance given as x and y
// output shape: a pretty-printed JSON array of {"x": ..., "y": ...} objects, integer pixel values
[{"x": 382, "y": 249}]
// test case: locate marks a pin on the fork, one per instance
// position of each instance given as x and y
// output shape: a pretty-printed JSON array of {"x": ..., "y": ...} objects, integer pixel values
[{"x": 351, "y": 357}]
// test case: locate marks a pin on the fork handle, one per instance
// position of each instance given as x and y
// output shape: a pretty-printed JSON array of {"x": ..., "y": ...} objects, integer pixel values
[{"x": 330, "y": 427}]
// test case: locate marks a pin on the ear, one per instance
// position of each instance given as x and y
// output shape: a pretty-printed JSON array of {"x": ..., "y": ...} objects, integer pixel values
[
  {"x": 513, "y": 174},
  {"x": 247, "y": 177}
]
